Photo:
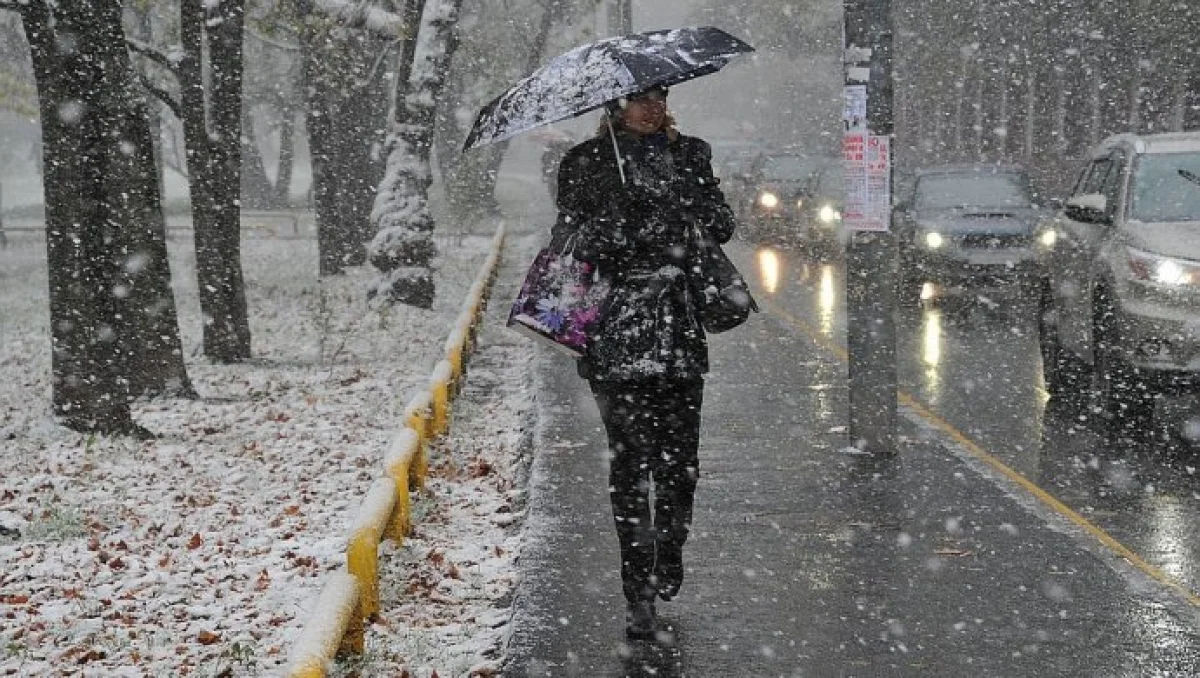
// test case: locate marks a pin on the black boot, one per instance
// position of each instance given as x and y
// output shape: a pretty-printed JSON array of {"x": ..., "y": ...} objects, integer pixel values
[
  {"x": 668, "y": 571},
  {"x": 640, "y": 620}
]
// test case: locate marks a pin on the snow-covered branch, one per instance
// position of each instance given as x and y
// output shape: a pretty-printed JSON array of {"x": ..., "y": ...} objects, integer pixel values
[
  {"x": 278, "y": 44},
  {"x": 162, "y": 95},
  {"x": 168, "y": 60},
  {"x": 363, "y": 15}
]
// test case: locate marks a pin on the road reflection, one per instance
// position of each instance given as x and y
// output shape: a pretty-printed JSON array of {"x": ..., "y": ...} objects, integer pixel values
[
  {"x": 931, "y": 352},
  {"x": 978, "y": 367},
  {"x": 769, "y": 270},
  {"x": 827, "y": 301}
]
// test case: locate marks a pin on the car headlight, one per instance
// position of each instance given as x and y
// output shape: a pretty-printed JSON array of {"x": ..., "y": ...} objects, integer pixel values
[
  {"x": 1048, "y": 238},
  {"x": 828, "y": 215},
  {"x": 1162, "y": 271},
  {"x": 934, "y": 240},
  {"x": 768, "y": 199}
]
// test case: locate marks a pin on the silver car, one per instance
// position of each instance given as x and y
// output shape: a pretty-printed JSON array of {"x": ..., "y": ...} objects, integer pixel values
[{"x": 1121, "y": 298}]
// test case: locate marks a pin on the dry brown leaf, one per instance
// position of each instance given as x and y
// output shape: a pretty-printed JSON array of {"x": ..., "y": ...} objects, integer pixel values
[
  {"x": 208, "y": 637},
  {"x": 195, "y": 542}
]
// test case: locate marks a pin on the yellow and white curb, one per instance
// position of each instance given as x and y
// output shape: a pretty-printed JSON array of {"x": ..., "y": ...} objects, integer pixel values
[{"x": 337, "y": 623}]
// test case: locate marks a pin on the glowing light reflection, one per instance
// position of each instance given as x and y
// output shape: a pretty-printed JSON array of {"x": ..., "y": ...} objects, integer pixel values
[
  {"x": 931, "y": 353},
  {"x": 768, "y": 266},
  {"x": 826, "y": 300},
  {"x": 931, "y": 335},
  {"x": 1168, "y": 535}
]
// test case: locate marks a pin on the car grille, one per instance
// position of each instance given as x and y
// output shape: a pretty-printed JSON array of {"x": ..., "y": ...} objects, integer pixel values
[{"x": 991, "y": 241}]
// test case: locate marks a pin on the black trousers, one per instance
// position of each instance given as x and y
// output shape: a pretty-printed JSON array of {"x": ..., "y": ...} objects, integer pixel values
[{"x": 653, "y": 438}]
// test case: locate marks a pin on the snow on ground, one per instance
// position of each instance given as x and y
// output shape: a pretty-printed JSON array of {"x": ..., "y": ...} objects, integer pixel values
[
  {"x": 198, "y": 553},
  {"x": 446, "y": 595}
]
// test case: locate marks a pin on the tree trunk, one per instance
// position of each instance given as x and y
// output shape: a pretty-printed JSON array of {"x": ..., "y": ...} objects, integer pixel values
[
  {"x": 108, "y": 272},
  {"x": 212, "y": 128},
  {"x": 341, "y": 226},
  {"x": 257, "y": 191},
  {"x": 155, "y": 345},
  {"x": 471, "y": 179},
  {"x": 403, "y": 248},
  {"x": 287, "y": 155}
]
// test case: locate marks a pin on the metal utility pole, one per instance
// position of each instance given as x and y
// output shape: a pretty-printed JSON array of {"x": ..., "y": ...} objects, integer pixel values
[
  {"x": 871, "y": 259},
  {"x": 620, "y": 17}
]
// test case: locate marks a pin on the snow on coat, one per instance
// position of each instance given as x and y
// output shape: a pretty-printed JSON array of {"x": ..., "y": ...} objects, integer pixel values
[{"x": 638, "y": 235}]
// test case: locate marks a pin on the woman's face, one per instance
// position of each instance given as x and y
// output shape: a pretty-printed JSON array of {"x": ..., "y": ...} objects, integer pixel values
[{"x": 644, "y": 115}]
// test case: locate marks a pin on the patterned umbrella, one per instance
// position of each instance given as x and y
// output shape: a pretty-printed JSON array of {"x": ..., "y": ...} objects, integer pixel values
[{"x": 591, "y": 76}]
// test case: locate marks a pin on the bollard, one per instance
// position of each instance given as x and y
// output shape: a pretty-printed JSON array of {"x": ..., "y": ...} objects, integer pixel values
[
  {"x": 402, "y": 463},
  {"x": 362, "y": 554},
  {"x": 334, "y": 627},
  {"x": 439, "y": 387},
  {"x": 454, "y": 356},
  {"x": 418, "y": 415}
]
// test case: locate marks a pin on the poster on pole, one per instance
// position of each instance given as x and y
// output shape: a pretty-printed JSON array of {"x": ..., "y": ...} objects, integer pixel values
[
  {"x": 879, "y": 184},
  {"x": 867, "y": 166},
  {"x": 854, "y": 167},
  {"x": 854, "y": 109}
]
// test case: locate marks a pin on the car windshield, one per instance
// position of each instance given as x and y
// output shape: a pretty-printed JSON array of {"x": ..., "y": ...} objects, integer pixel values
[
  {"x": 942, "y": 191},
  {"x": 1166, "y": 187},
  {"x": 788, "y": 167}
]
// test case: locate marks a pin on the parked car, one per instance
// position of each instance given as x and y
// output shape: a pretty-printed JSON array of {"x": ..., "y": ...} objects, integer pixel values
[
  {"x": 774, "y": 200},
  {"x": 1121, "y": 298},
  {"x": 968, "y": 229}
]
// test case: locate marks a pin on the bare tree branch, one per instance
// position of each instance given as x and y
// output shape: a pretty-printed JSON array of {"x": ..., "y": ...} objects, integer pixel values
[
  {"x": 363, "y": 15},
  {"x": 162, "y": 95},
  {"x": 279, "y": 44},
  {"x": 164, "y": 59}
]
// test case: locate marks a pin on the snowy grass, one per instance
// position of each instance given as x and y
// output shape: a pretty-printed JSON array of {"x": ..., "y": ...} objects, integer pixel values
[{"x": 199, "y": 553}]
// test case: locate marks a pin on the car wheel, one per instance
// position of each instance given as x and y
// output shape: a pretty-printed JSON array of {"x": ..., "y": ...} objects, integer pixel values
[
  {"x": 1125, "y": 395},
  {"x": 1062, "y": 371}
]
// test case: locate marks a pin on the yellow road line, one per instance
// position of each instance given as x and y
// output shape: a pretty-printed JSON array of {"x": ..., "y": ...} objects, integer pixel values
[{"x": 976, "y": 450}]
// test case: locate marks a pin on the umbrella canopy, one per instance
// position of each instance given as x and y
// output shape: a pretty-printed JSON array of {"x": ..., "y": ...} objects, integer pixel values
[{"x": 590, "y": 76}]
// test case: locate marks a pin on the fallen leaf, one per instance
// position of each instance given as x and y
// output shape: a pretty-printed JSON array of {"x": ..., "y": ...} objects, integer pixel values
[
  {"x": 195, "y": 542},
  {"x": 208, "y": 637},
  {"x": 479, "y": 468}
]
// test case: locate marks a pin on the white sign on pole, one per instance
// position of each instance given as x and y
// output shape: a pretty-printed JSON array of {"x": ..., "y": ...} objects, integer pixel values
[{"x": 867, "y": 164}]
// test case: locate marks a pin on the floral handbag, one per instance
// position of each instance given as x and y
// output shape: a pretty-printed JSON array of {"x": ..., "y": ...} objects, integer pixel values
[{"x": 559, "y": 302}]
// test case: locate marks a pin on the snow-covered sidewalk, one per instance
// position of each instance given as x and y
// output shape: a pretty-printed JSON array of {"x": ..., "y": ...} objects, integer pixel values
[{"x": 198, "y": 553}]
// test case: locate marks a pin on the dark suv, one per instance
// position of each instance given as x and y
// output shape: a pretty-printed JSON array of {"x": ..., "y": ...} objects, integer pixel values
[{"x": 969, "y": 228}]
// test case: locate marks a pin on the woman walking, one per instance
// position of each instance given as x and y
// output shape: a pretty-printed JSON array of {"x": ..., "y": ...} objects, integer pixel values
[{"x": 648, "y": 356}]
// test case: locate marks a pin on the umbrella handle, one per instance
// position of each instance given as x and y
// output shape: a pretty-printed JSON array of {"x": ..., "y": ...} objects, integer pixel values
[{"x": 616, "y": 149}]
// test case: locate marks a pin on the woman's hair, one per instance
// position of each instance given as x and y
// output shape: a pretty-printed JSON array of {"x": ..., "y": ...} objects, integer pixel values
[{"x": 669, "y": 125}]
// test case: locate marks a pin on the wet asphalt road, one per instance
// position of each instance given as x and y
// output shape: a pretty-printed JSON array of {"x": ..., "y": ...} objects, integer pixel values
[
  {"x": 806, "y": 560},
  {"x": 975, "y": 363}
]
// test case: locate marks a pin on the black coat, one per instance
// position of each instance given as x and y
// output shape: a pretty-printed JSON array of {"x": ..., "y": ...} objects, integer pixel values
[{"x": 638, "y": 234}]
